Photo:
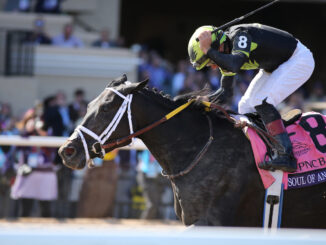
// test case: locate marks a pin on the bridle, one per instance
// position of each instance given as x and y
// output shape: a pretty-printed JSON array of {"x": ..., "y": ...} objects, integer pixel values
[{"x": 97, "y": 147}]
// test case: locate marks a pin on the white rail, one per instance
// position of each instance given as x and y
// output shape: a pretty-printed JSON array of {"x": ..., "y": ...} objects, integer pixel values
[{"x": 52, "y": 141}]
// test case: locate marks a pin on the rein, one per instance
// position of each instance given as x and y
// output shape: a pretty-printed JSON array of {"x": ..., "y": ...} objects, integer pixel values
[
  {"x": 242, "y": 124},
  {"x": 197, "y": 158},
  {"x": 149, "y": 127},
  {"x": 99, "y": 147}
]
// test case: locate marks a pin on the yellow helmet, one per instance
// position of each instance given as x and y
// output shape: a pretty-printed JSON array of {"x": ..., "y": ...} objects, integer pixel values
[{"x": 197, "y": 58}]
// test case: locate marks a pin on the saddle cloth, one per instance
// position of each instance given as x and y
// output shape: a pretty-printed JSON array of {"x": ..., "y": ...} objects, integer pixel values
[{"x": 308, "y": 137}]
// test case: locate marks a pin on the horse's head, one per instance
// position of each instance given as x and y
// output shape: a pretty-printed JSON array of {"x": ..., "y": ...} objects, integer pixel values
[{"x": 108, "y": 118}]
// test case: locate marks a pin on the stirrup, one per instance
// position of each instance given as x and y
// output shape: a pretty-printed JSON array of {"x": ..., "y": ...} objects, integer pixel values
[{"x": 286, "y": 166}]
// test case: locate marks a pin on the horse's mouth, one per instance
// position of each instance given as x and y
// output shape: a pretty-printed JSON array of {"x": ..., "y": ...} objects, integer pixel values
[
  {"x": 71, "y": 159},
  {"x": 76, "y": 165}
]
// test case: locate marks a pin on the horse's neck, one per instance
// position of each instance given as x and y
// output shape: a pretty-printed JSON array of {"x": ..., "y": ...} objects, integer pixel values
[{"x": 174, "y": 142}]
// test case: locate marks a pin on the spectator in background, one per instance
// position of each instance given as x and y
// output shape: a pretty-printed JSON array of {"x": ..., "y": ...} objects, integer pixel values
[
  {"x": 294, "y": 101},
  {"x": 56, "y": 119},
  {"x": 242, "y": 82},
  {"x": 18, "y": 5},
  {"x": 38, "y": 36},
  {"x": 179, "y": 77},
  {"x": 200, "y": 80},
  {"x": 121, "y": 42},
  {"x": 104, "y": 41},
  {"x": 127, "y": 161},
  {"x": 48, "y": 6},
  {"x": 65, "y": 175},
  {"x": 99, "y": 188},
  {"x": 214, "y": 77},
  {"x": 52, "y": 118},
  {"x": 239, "y": 90},
  {"x": 189, "y": 84},
  {"x": 56, "y": 115},
  {"x": 64, "y": 113},
  {"x": 7, "y": 171},
  {"x": 7, "y": 121},
  {"x": 153, "y": 184},
  {"x": 36, "y": 178},
  {"x": 144, "y": 64},
  {"x": 67, "y": 39},
  {"x": 77, "y": 105},
  {"x": 158, "y": 74},
  {"x": 317, "y": 93}
]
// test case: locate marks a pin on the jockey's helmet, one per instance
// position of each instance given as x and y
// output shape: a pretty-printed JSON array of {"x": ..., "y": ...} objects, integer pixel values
[{"x": 197, "y": 58}]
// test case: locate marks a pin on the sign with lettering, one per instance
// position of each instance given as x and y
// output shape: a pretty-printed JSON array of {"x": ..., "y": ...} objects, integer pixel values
[{"x": 306, "y": 179}]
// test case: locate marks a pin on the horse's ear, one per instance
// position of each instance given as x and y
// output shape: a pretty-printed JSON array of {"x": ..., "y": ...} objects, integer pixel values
[
  {"x": 134, "y": 87},
  {"x": 118, "y": 81}
]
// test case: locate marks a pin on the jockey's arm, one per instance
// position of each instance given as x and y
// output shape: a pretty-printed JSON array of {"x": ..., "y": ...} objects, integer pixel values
[
  {"x": 229, "y": 62},
  {"x": 225, "y": 93}
]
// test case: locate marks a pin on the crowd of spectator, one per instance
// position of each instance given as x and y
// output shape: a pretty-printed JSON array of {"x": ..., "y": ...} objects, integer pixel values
[
  {"x": 67, "y": 38},
  {"x": 34, "y": 182},
  {"x": 183, "y": 78},
  {"x": 37, "y": 6}
]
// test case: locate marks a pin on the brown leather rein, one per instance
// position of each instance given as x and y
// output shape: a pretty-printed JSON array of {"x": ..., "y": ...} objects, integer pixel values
[
  {"x": 209, "y": 106},
  {"x": 149, "y": 127}
]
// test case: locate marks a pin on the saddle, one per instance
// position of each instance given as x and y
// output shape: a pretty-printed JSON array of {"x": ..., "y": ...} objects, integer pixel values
[
  {"x": 288, "y": 119},
  {"x": 308, "y": 136}
]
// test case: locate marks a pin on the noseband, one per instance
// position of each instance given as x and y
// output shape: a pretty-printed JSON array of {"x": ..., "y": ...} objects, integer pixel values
[{"x": 105, "y": 135}]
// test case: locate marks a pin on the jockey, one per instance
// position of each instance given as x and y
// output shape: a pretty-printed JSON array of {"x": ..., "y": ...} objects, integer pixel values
[{"x": 284, "y": 62}]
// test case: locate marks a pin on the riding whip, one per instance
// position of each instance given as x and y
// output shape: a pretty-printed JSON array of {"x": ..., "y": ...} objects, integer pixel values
[{"x": 242, "y": 17}]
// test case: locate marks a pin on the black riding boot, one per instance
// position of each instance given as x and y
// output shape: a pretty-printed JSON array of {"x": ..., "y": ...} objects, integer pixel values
[{"x": 284, "y": 160}]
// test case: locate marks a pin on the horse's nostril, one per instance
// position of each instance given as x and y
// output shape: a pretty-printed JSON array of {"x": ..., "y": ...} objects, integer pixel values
[{"x": 69, "y": 151}]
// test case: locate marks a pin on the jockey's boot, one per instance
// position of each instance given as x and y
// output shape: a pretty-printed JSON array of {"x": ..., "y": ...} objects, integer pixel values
[{"x": 284, "y": 160}]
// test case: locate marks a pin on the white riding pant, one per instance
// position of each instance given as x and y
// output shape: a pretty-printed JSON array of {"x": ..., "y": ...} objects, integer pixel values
[{"x": 279, "y": 84}]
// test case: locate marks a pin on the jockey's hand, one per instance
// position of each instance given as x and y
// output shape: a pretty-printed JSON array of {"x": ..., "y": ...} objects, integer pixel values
[
  {"x": 205, "y": 41},
  {"x": 221, "y": 96},
  {"x": 202, "y": 98}
]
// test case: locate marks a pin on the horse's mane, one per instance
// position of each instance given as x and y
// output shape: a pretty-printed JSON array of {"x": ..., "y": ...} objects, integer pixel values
[
  {"x": 167, "y": 100},
  {"x": 183, "y": 98}
]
